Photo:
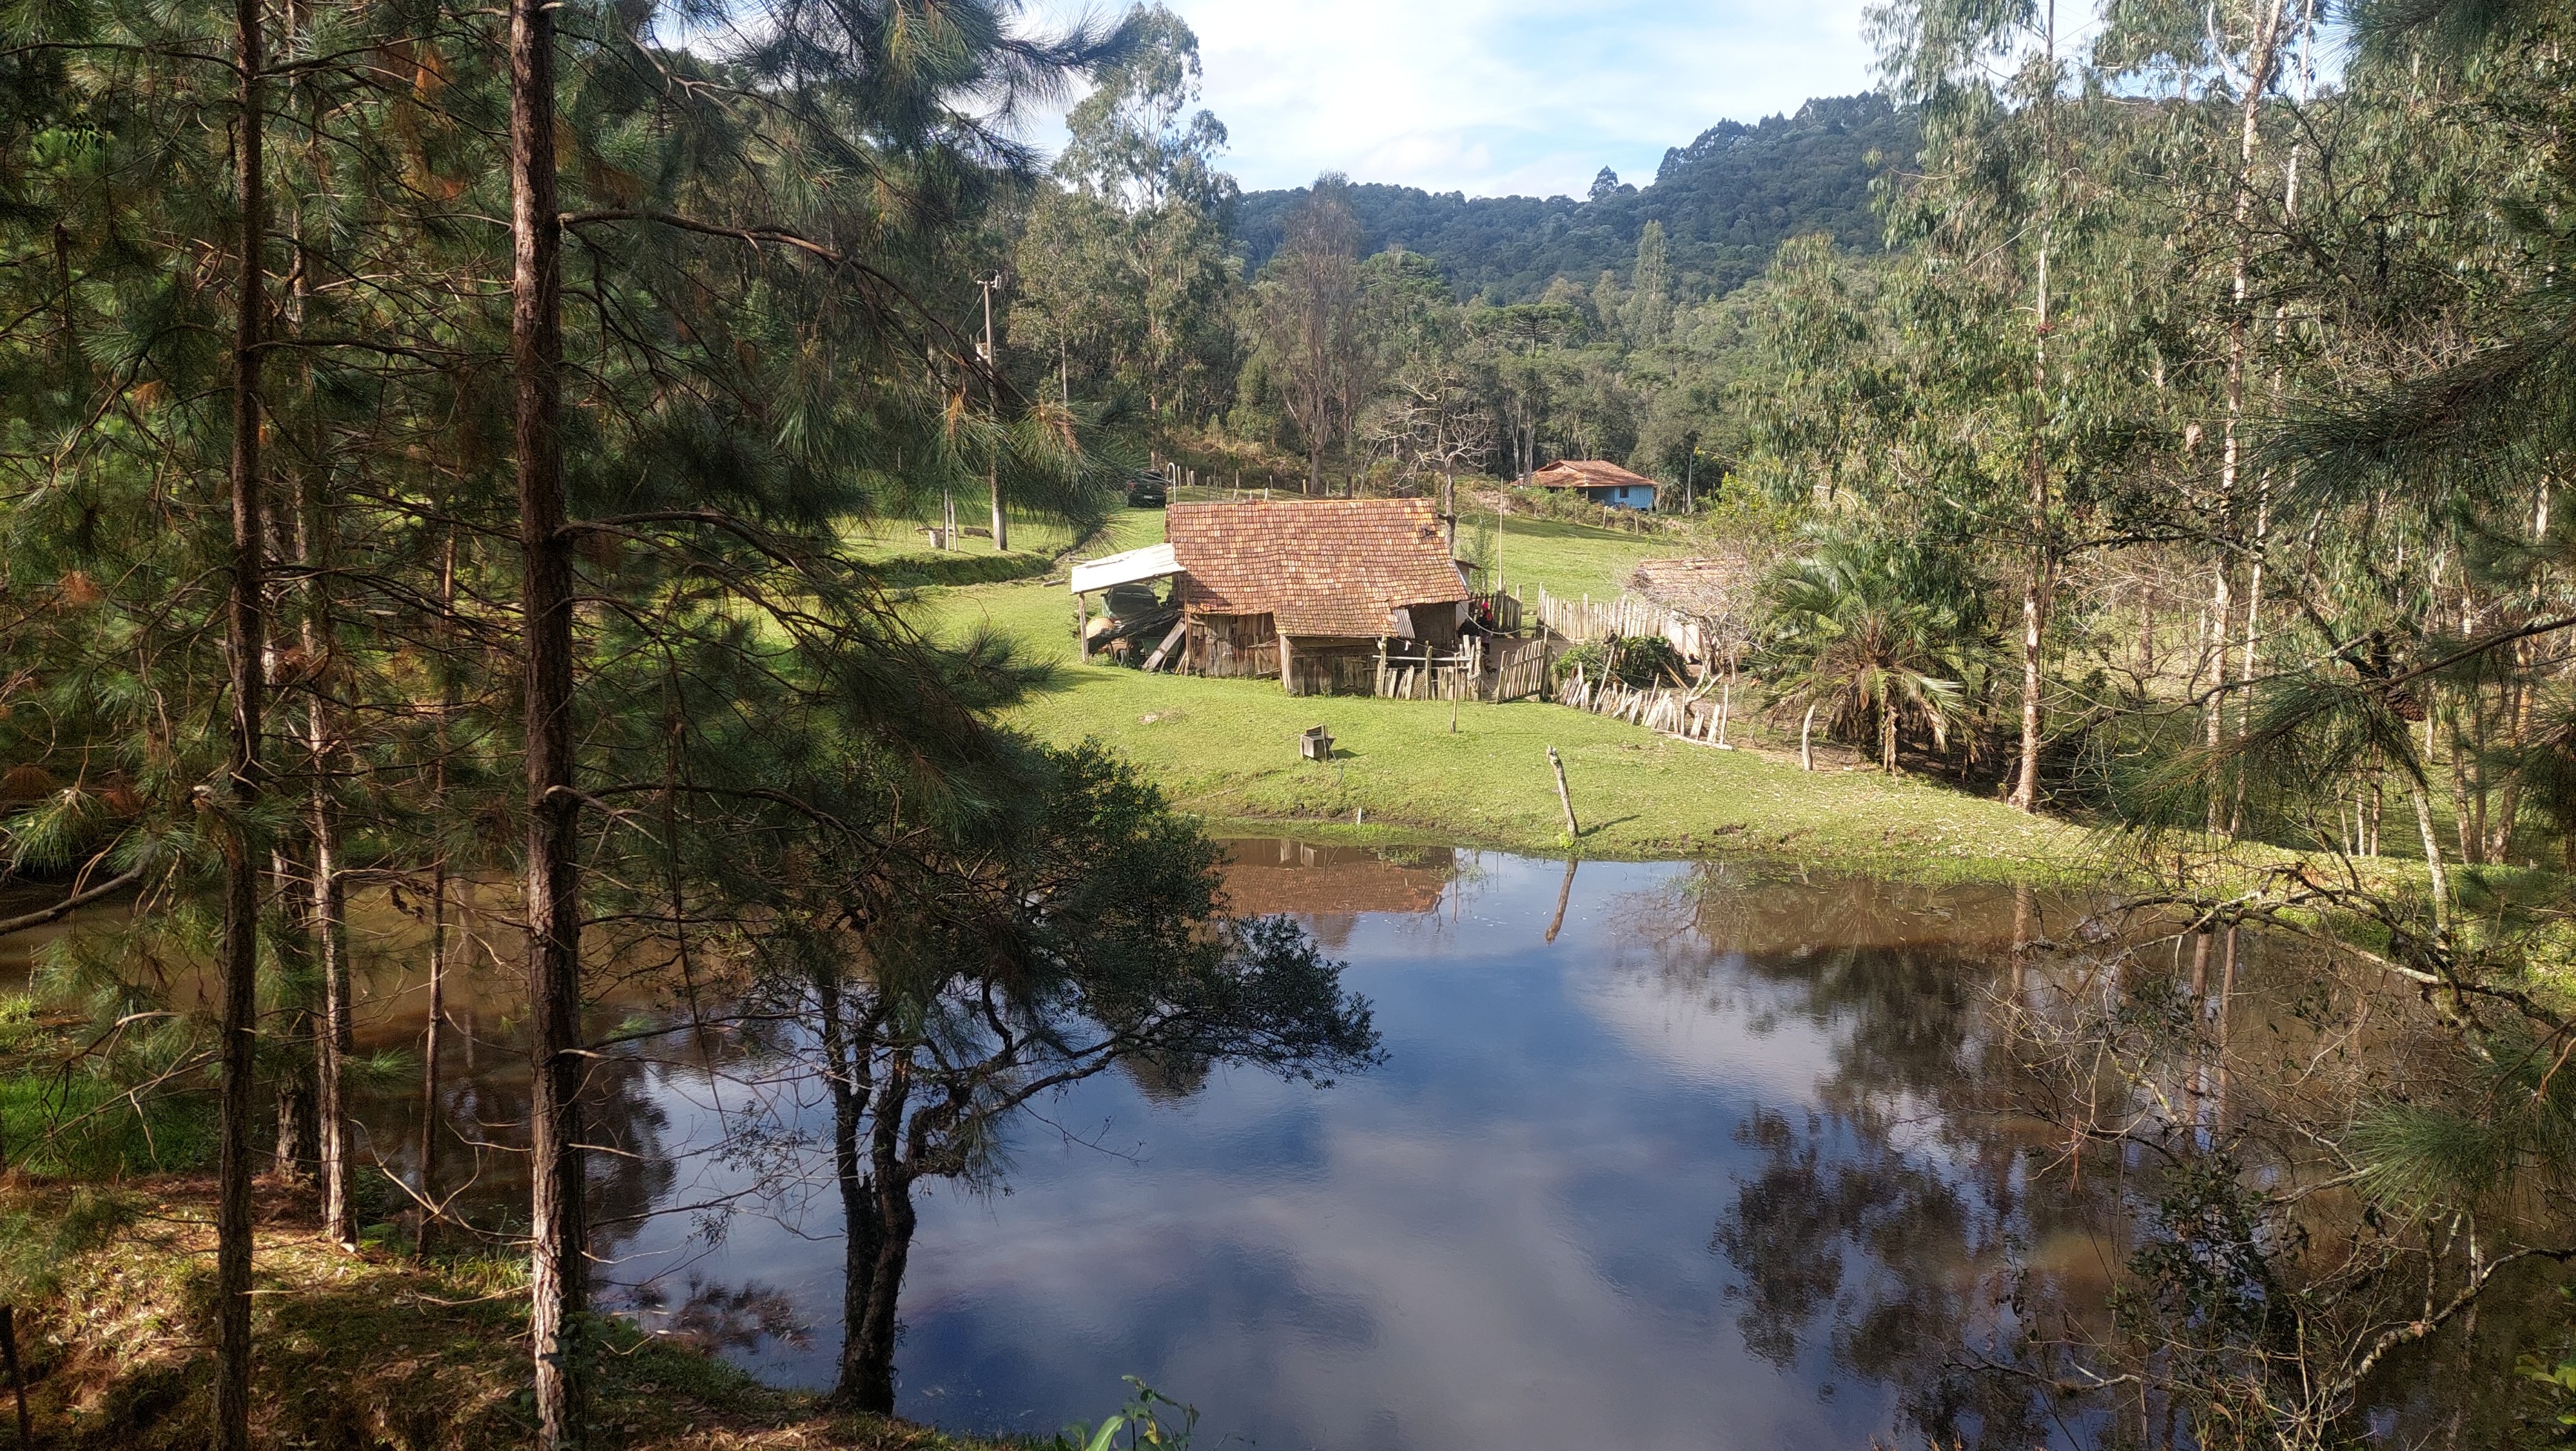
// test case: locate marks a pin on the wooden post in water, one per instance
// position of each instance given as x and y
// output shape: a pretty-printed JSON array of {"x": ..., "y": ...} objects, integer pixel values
[{"x": 1564, "y": 798}]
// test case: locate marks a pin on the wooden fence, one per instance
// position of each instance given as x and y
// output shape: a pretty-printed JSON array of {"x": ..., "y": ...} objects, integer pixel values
[
  {"x": 1627, "y": 616},
  {"x": 1693, "y": 715},
  {"x": 1480, "y": 669},
  {"x": 1516, "y": 669}
]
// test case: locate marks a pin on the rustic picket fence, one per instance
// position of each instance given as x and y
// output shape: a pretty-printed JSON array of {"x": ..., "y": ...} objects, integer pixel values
[
  {"x": 1628, "y": 617},
  {"x": 1478, "y": 670},
  {"x": 1691, "y": 715}
]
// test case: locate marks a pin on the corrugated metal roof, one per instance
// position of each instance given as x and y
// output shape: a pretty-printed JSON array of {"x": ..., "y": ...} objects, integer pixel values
[
  {"x": 1329, "y": 567},
  {"x": 1151, "y": 562}
]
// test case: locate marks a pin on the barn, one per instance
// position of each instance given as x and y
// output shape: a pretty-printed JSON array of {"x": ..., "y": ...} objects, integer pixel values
[{"x": 1313, "y": 591}]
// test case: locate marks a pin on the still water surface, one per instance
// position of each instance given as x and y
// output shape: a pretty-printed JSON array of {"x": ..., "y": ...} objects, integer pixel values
[
  {"x": 1658, "y": 1158},
  {"x": 1661, "y": 1155}
]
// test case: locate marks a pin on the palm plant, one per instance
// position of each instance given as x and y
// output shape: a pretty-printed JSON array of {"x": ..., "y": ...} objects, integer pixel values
[{"x": 1872, "y": 633}]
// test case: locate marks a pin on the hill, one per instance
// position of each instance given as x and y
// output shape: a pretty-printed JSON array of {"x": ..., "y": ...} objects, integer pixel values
[{"x": 1726, "y": 200}]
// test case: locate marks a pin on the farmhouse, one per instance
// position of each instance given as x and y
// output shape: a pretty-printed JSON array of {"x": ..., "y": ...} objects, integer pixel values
[
  {"x": 1318, "y": 592},
  {"x": 1600, "y": 481}
]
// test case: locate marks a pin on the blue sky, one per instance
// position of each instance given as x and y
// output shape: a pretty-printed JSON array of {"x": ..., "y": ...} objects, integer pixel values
[{"x": 1494, "y": 97}]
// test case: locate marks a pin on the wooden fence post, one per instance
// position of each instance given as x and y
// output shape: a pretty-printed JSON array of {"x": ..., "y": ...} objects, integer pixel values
[{"x": 1564, "y": 797}]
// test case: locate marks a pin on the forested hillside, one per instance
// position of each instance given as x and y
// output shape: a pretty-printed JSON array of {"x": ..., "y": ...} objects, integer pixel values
[{"x": 1726, "y": 200}]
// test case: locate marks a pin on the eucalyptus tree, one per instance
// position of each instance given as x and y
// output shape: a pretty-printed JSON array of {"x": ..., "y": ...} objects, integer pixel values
[
  {"x": 1308, "y": 322},
  {"x": 1127, "y": 260},
  {"x": 2232, "y": 78},
  {"x": 1993, "y": 212}
]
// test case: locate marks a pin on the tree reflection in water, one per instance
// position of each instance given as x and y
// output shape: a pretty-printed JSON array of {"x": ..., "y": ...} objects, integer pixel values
[{"x": 2071, "y": 1194}]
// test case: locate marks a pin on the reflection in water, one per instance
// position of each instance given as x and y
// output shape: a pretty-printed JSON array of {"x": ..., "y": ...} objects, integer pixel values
[{"x": 1663, "y": 1155}]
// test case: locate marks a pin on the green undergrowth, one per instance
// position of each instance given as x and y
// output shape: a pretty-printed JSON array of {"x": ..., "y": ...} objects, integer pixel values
[
  {"x": 62, "y": 1116},
  {"x": 370, "y": 1349}
]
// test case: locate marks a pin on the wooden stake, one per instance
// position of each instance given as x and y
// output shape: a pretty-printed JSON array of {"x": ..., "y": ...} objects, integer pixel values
[
  {"x": 17, "y": 1375},
  {"x": 1564, "y": 798}
]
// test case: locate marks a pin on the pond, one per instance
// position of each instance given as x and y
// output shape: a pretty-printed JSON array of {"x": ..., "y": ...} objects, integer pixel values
[{"x": 1661, "y": 1155}]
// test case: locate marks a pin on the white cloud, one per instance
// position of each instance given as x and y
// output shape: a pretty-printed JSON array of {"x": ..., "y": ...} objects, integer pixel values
[{"x": 1494, "y": 97}]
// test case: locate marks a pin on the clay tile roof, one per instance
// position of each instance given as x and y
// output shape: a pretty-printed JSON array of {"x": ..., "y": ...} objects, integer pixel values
[
  {"x": 1587, "y": 473},
  {"x": 1334, "y": 567}
]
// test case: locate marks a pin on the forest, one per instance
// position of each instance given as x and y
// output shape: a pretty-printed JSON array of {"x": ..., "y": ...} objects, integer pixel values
[{"x": 434, "y": 443}]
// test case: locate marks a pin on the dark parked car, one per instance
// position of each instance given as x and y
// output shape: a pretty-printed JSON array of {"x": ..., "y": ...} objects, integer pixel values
[{"x": 1145, "y": 491}]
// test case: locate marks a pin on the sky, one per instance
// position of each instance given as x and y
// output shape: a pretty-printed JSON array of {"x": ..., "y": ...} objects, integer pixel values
[{"x": 1500, "y": 97}]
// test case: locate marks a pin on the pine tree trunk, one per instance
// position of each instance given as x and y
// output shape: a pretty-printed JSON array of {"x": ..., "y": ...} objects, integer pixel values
[
  {"x": 867, "y": 1359},
  {"x": 245, "y": 630},
  {"x": 333, "y": 1037},
  {"x": 558, "y": 1278},
  {"x": 327, "y": 921},
  {"x": 433, "y": 1120},
  {"x": 846, "y": 1065}
]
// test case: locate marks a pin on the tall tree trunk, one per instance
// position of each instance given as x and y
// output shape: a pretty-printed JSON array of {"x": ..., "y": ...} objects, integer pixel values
[
  {"x": 867, "y": 1360},
  {"x": 299, "y": 1137},
  {"x": 847, "y": 1069},
  {"x": 558, "y": 1277},
  {"x": 2262, "y": 56},
  {"x": 2222, "y": 616},
  {"x": 433, "y": 1113},
  {"x": 328, "y": 909},
  {"x": 333, "y": 1037},
  {"x": 2038, "y": 586},
  {"x": 2440, "y": 880},
  {"x": 245, "y": 631}
]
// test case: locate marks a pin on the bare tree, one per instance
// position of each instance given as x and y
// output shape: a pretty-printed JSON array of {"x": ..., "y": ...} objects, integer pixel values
[
  {"x": 1307, "y": 310},
  {"x": 1434, "y": 423}
]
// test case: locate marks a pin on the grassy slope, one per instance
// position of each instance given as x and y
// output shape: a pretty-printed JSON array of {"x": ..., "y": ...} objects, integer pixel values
[
  {"x": 1573, "y": 560},
  {"x": 903, "y": 558},
  {"x": 1227, "y": 749},
  {"x": 368, "y": 1349}
]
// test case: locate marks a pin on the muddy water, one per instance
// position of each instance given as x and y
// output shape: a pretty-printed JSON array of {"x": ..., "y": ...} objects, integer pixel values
[{"x": 1661, "y": 1156}]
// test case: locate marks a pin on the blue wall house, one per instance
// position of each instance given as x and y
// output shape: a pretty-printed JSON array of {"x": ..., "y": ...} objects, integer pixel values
[{"x": 1600, "y": 481}]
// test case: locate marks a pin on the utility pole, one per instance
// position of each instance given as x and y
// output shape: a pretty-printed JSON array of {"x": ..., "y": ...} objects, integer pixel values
[{"x": 993, "y": 396}]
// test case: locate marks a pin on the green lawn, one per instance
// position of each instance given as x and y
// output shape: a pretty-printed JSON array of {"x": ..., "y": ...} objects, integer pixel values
[
  {"x": 1226, "y": 749},
  {"x": 903, "y": 556},
  {"x": 1573, "y": 560}
]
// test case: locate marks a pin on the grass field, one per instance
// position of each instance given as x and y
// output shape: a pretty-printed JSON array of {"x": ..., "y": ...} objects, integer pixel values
[{"x": 1226, "y": 749}]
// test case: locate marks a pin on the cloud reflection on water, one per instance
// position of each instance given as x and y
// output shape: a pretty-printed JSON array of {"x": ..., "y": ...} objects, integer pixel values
[{"x": 1502, "y": 1237}]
